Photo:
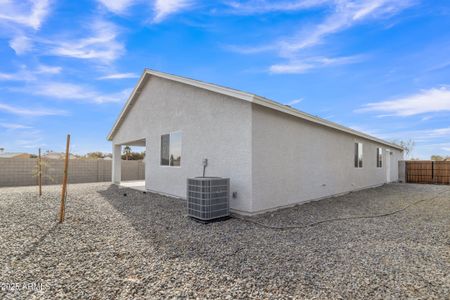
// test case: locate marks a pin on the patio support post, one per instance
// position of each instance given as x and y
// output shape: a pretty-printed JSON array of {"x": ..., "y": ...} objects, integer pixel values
[{"x": 116, "y": 164}]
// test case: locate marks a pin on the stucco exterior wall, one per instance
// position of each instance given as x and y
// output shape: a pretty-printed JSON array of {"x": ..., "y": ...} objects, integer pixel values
[
  {"x": 296, "y": 161},
  {"x": 213, "y": 126}
]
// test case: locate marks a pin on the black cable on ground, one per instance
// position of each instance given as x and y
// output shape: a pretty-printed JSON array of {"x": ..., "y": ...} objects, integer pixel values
[{"x": 337, "y": 219}]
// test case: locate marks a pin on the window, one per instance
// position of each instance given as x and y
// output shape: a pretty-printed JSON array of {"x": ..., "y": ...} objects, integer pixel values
[
  {"x": 358, "y": 155},
  {"x": 171, "y": 149},
  {"x": 379, "y": 158}
]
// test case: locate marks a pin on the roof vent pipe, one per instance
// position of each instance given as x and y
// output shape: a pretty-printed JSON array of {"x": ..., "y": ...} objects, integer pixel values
[{"x": 205, "y": 164}]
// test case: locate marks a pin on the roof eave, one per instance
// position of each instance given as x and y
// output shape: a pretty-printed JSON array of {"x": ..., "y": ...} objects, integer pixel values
[{"x": 239, "y": 95}]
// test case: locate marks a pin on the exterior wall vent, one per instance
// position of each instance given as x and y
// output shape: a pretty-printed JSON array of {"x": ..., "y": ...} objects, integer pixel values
[{"x": 208, "y": 198}]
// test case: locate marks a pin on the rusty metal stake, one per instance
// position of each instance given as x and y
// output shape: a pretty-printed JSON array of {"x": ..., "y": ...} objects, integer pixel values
[{"x": 64, "y": 186}]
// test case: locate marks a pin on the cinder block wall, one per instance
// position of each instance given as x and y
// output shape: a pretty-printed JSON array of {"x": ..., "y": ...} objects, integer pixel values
[{"x": 21, "y": 171}]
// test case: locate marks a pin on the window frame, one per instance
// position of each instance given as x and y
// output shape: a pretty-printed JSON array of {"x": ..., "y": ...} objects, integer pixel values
[
  {"x": 358, "y": 155},
  {"x": 379, "y": 157},
  {"x": 181, "y": 143}
]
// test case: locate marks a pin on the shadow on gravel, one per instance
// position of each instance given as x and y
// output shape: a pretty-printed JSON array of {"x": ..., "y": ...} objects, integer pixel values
[
  {"x": 34, "y": 245},
  {"x": 336, "y": 255},
  {"x": 163, "y": 222}
]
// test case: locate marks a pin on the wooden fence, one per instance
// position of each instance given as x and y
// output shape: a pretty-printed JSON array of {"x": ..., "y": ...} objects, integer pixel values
[{"x": 425, "y": 171}]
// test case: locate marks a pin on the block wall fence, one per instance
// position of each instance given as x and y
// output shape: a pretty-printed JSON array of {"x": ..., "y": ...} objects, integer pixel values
[{"x": 20, "y": 171}]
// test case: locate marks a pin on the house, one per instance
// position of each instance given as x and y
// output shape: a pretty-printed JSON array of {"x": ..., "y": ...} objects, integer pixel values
[
  {"x": 57, "y": 155},
  {"x": 275, "y": 156}
]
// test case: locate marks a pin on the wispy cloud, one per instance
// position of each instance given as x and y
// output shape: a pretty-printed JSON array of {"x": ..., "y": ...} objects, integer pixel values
[
  {"x": 14, "y": 126},
  {"x": 31, "y": 112},
  {"x": 344, "y": 15},
  {"x": 7, "y": 76},
  {"x": 419, "y": 135},
  {"x": 294, "y": 102},
  {"x": 70, "y": 91},
  {"x": 29, "y": 139},
  {"x": 118, "y": 76},
  {"x": 45, "y": 69},
  {"x": 26, "y": 74},
  {"x": 21, "y": 44},
  {"x": 427, "y": 141},
  {"x": 426, "y": 101},
  {"x": 29, "y": 13},
  {"x": 297, "y": 66},
  {"x": 164, "y": 8},
  {"x": 101, "y": 44},
  {"x": 264, "y": 6},
  {"x": 117, "y": 6}
]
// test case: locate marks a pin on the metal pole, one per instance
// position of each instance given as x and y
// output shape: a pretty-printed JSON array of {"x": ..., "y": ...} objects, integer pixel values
[
  {"x": 64, "y": 186},
  {"x": 40, "y": 173}
]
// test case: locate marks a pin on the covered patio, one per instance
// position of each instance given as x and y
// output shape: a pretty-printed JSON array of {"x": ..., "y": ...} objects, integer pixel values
[{"x": 117, "y": 165}]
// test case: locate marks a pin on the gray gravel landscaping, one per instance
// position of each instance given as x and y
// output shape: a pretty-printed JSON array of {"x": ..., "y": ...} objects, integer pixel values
[{"x": 142, "y": 246}]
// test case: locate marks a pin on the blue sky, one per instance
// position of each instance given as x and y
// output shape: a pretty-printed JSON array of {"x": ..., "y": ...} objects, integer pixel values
[{"x": 380, "y": 66}]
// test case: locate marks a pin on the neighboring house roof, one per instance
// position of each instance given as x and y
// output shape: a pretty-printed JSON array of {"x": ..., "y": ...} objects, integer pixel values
[
  {"x": 14, "y": 155},
  {"x": 239, "y": 95},
  {"x": 57, "y": 155}
]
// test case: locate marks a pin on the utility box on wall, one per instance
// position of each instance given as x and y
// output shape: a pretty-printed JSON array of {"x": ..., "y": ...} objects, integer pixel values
[{"x": 208, "y": 198}]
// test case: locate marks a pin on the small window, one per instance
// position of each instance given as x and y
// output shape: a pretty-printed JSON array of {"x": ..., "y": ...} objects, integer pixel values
[
  {"x": 171, "y": 149},
  {"x": 358, "y": 155},
  {"x": 379, "y": 158}
]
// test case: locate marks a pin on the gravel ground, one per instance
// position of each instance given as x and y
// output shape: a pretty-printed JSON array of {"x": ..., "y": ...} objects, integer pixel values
[{"x": 142, "y": 246}]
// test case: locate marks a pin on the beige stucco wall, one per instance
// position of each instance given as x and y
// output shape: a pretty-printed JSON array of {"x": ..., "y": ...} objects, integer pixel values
[
  {"x": 213, "y": 126},
  {"x": 296, "y": 161}
]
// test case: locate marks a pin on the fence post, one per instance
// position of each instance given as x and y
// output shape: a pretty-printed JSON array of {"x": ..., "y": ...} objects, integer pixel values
[
  {"x": 64, "y": 187},
  {"x": 40, "y": 172}
]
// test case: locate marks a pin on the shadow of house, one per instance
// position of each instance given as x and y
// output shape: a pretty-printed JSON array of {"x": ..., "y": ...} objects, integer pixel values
[
  {"x": 223, "y": 246},
  {"x": 312, "y": 258}
]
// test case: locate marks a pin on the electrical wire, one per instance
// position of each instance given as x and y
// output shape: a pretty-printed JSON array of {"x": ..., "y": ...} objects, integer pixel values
[{"x": 337, "y": 219}]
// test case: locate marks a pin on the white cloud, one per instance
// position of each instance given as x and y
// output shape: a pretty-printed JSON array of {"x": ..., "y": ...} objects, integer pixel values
[
  {"x": 25, "y": 74},
  {"x": 426, "y": 101},
  {"x": 117, "y": 6},
  {"x": 302, "y": 66},
  {"x": 7, "y": 76},
  {"x": 30, "y": 112},
  {"x": 264, "y": 6},
  {"x": 69, "y": 91},
  {"x": 294, "y": 102},
  {"x": 164, "y": 8},
  {"x": 29, "y": 13},
  {"x": 119, "y": 76},
  {"x": 19, "y": 76},
  {"x": 44, "y": 69},
  {"x": 102, "y": 45},
  {"x": 346, "y": 14},
  {"x": 14, "y": 126},
  {"x": 21, "y": 44}
]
